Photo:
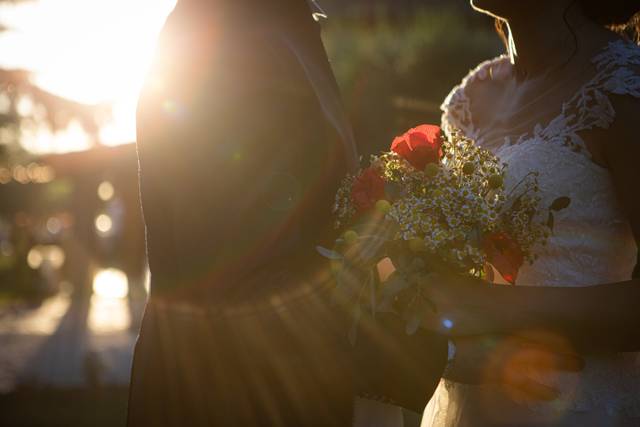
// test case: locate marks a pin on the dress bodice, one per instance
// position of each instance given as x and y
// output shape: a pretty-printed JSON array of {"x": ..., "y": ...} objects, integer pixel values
[{"x": 592, "y": 242}]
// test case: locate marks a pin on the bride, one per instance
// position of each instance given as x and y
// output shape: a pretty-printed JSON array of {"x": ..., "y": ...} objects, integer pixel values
[{"x": 565, "y": 102}]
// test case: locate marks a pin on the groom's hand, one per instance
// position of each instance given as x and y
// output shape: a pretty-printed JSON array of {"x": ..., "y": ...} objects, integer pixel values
[{"x": 513, "y": 363}]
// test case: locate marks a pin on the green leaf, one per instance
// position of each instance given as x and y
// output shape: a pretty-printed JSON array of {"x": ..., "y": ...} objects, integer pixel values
[
  {"x": 413, "y": 323},
  {"x": 560, "y": 203},
  {"x": 395, "y": 284},
  {"x": 347, "y": 287},
  {"x": 328, "y": 253},
  {"x": 516, "y": 204},
  {"x": 372, "y": 296},
  {"x": 353, "y": 332},
  {"x": 386, "y": 306},
  {"x": 371, "y": 248},
  {"x": 413, "y": 316},
  {"x": 401, "y": 261}
]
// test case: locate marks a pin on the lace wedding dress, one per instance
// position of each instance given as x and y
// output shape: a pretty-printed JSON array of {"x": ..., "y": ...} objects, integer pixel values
[{"x": 592, "y": 244}]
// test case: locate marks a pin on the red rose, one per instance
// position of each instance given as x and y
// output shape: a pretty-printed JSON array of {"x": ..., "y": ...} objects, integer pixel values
[
  {"x": 420, "y": 146},
  {"x": 367, "y": 189},
  {"x": 505, "y": 254}
]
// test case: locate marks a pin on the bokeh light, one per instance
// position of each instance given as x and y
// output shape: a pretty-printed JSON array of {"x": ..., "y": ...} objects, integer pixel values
[
  {"x": 34, "y": 258},
  {"x": 54, "y": 225},
  {"x": 105, "y": 191},
  {"x": 50, "y": 255},
  {"x": 111, "y": 283},
  {"x": 103, "y": 223}
]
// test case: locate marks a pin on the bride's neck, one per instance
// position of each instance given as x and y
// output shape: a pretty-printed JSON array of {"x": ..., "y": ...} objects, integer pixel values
[{"x": 539, "y": 44}]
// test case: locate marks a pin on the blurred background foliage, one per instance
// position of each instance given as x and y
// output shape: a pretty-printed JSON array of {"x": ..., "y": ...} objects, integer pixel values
[{"x": 395, "y": 62}]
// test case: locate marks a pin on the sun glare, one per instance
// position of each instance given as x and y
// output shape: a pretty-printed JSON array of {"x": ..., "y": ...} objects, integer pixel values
[
  {"x": 109, "y": 311},
  {"x": 111, "y": 284},
  {"x": 91, "y": 51}
]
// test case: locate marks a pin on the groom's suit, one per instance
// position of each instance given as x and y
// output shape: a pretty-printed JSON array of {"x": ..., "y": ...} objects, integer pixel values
[{"x": 242, "y": 142}]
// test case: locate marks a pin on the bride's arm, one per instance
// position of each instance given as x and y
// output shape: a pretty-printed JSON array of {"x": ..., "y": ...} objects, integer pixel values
[
  {"x": 596, "y": 318},
  {"x": 605, "y": 317}
]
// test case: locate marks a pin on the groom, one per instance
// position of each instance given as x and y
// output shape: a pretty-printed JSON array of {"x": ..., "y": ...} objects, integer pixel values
[{"x": 242, "y": 142}]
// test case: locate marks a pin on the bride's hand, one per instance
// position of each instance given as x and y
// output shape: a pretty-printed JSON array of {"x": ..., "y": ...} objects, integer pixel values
[
  {"x": 460, "y": 304},
  {"x": 512, "y": 363}
]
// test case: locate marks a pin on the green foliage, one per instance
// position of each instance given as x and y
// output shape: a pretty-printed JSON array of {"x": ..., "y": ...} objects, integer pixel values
[{"x": 395, "y": 75}]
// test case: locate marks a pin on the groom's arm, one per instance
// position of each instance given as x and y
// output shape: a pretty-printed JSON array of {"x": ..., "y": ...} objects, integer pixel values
[{"x": 241, "y": 145}]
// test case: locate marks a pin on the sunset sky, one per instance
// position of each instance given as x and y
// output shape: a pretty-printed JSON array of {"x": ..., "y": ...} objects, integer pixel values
[{"x": 91, "y": 51}]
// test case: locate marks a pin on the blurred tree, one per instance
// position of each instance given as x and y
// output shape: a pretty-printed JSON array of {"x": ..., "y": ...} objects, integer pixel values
[
  {"x": 396, "y": 10},
  {"x": 26, "y": 197},
  {"x": 22, "y": 102},
  {"x": 394, "y": 75}
]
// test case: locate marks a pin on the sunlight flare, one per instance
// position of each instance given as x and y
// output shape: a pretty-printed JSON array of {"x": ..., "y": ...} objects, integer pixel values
[
  {"x": 109, "y": 311},
  {"x": 111, "y": 284},
  {"x": 90, "y": 51}
]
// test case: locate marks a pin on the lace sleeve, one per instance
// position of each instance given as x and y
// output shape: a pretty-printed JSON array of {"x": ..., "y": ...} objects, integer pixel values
[
  {"x": 456, "y": 108},
  {"x": 624, "y": 81},
  {"x": 619, "y": 68},
  {"x": 618, "y": 73}
]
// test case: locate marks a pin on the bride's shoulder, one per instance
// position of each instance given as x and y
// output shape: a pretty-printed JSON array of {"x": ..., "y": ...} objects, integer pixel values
[
  {"x": 475, "y": 85},
  {"x": 618, "y": 66},
  {"x": 618, "y": 53}
]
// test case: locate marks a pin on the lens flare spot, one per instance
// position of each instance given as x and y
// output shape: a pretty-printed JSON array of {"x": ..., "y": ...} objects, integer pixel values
[
  {"x": 105, "y": 191},
  {"x": 55, "y": 256},
  {"x": 49, "y": 255},
  {"x": 35, "y": 258},
  {"x": 54, "y": 225},
  {"x": 103, "y": 223},
  {"x": 169, "y": 107}
]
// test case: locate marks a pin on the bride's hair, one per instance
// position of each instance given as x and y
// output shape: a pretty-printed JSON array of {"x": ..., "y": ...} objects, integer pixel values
[
  {"x": 613, "y": 13},
  {"x": 622, "y": 16}
]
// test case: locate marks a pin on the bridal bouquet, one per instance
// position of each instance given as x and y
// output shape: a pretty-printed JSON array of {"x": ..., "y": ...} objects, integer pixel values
[{"x": 432, "y": 204}]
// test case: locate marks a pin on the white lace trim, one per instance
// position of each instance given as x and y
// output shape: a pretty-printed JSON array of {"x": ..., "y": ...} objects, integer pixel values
[
  {"x": 457, "y": 105},
  {"x": 590, "y": 107}
]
